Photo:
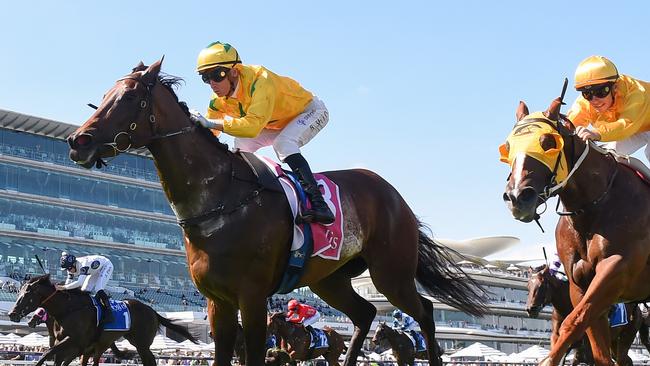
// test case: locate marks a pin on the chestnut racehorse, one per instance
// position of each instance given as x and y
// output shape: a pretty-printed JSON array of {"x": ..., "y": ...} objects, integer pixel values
[
  {"x": 544, "y": 289},
  {"x": 603, "y": 235},
  {"x": 238, "y": 235}
]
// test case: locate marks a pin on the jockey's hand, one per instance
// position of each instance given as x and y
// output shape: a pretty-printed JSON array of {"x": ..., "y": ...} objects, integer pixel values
[
  {"x": 197, "y": 118},
  {"x": 586, "y": 134},
  {"x": 59, "y": 287}
]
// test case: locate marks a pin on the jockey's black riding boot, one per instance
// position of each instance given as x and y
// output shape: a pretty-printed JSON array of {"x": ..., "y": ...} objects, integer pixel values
[
  {"x": 319, "y": 211},
  {"x": 106, "y": 305}
]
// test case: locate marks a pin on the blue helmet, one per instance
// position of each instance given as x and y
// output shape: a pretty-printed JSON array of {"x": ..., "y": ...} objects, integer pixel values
[
  {"x": 67, "y": 260},
  {"x": 397, "y": 313}
]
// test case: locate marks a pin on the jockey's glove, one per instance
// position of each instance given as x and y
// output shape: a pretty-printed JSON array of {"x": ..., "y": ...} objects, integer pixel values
[{"x": 198, "y": 119}]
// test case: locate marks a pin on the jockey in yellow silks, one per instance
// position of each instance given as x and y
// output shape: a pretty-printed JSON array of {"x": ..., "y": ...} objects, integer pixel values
[
  {"x": 260, "y": 108},
  {"x": 617, "y": 106}
]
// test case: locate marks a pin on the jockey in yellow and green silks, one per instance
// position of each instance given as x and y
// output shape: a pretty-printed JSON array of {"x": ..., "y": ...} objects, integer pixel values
[
  {"x": 617, "y": 106},
  {"x": 260, "y": 108}
]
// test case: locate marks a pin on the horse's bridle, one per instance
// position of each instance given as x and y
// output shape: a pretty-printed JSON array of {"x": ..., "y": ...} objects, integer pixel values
[
  {"x": 146, "y": 107},
  {"x": 553, "y": 187},
  {"x": 545, "y": 284}
]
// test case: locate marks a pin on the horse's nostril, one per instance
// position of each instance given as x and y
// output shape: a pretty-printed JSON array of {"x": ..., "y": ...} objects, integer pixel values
[
  {"x": 82, "y": 140},
  {"x": 527, "y": 195},
  {"x": 506, "y": 197}
]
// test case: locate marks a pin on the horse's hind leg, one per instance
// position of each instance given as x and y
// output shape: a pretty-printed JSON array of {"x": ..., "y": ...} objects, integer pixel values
[
  {"x": 644, "y": 336},
  {"x": 146, "y": 356},
  {"x": 337, "y": 291}
]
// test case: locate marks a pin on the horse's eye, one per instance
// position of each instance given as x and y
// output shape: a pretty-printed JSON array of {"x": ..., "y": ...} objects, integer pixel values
[
  {"x": 547, "y": 142},
  {"x": 129, "y": 97}
]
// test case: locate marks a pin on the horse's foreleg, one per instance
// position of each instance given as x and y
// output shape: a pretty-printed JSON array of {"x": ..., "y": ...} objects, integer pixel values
[
  {"x": 590, "y": 312},
  {"x": 223, "y": 321},
  {"x": 254, "y": 317},
  {"x": 644, "y": 336},
  {"x": 54, "y": 350},
  {"x": 337, "y": 291}
]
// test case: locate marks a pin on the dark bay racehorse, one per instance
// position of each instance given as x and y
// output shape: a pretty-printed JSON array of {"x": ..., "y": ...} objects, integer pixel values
[
  {"x": 53, "y": 329},
  {"x": 75, "y": 313},
  {"x": 544, "y": 289},
  {"x": 295, "y": 339},
  {"x": 603, "y": 237},
  {"x": 237, "y": 235},
  {"x": 403, "y": 348}
]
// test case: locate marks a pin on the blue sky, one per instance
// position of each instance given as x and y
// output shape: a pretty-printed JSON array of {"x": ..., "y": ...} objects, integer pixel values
[{"x": 420, "y": 92}]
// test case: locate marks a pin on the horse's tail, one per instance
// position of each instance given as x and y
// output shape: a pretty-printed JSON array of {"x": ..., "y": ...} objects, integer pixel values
[
  {"x": 443, "y": 279},
  {"x": 176, "y": 328},
  {"x": 122, "y": 355}
]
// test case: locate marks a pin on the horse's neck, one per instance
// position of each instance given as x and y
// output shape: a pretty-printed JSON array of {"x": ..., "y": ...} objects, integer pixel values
[
  {"x": 560, "y": 296},
  {"x": 289, "y": 330},
  {"x": 393, "y": 337},
  {"x": 57, "y": 307},
  {"x": 589, "y": 181},
  {"x": 194, "y": 172}
]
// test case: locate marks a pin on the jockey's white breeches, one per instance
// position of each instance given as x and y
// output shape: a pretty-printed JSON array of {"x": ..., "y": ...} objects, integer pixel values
[
  {"x": 293, "y": 136},
  {"x": 311, "y": 320},
  {"x": 99, "y": 280}
]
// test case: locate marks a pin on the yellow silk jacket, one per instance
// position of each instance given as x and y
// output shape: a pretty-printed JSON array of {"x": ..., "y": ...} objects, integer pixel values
[
  {"x": 262, "y": 99},
  {"x": 629, "y": 114}
]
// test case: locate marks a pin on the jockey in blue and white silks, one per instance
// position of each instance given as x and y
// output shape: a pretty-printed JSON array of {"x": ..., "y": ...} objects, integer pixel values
[
  {"x": 407, "y": 324},
  {"x": 403, "y": 321}
]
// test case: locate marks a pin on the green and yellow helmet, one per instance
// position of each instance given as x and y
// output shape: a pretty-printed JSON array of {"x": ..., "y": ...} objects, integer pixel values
[
  {"x": 217, "y": 54},
  {"x": 595, "y": 70}
]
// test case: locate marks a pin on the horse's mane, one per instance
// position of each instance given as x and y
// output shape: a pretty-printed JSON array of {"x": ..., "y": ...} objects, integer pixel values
[
  {"x": 278, "y": 314},
  {"x": 170, "y": 82},
  {"x": 539, "y": 268},
  {"x": 42, "y": 278}
]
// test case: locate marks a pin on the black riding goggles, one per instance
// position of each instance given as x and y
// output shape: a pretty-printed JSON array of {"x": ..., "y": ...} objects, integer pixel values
[
  {"x": 216, "y": 75},
  {"x": 600, "y": 92}
]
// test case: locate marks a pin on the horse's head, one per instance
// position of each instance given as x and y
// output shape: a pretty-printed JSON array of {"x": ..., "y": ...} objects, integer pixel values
[
  {"x": 31, "y": 296},
  {"x": 539, "y": 294},
  {"x": 275, "y": 322},
  {"x": 129, "y": 117},
  {"x": 380, "y": 333},
  {"x": 535, "y": 152}
]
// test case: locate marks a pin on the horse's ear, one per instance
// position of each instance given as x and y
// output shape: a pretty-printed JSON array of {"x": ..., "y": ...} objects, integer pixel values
[
  {"x": 522, "y": 111},
  {"x": 553, "y": 111},
  {"x": 139, "y": 67},
  {"x": 150, "y": 75}
]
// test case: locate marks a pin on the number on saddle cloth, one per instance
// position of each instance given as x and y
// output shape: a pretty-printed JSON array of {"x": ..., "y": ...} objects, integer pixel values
[
  {"x": 618, "y": 315},
  {"x": 121, "y": 315},
  {"x": 318, "y": 338},
  {"x": 417, "y": 339}
]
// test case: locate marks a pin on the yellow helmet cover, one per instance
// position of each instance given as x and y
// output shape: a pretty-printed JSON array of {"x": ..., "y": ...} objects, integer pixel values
[{"x": 526, "y": 137}]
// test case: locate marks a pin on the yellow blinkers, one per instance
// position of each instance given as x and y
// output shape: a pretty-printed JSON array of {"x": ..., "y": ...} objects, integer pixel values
[{"x": 526, "y": 137}]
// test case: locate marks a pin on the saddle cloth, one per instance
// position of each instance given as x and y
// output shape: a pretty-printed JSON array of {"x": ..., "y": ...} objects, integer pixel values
[
  {"x": 121, "y": 315},
  {"x": 418, "y": 342},
  {"x": 328, "y": 239},
  {"x": 318, "y": 339},
  {"x": 618, "y": 317}
]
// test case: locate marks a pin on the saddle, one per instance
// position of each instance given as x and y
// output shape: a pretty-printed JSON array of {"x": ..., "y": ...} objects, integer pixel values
[{"x": 629, "y": 161}]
